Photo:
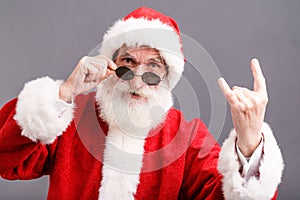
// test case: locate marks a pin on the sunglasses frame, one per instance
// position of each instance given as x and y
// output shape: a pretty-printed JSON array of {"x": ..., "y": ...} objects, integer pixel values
[{"x": 130, "y": 75}]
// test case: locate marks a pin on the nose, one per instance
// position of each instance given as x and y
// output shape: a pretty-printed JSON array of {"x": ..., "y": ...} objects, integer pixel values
[{"x": 137, "y": 81}]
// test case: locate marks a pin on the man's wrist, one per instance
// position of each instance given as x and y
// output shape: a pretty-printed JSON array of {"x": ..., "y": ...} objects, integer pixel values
[
  {"x": 65, "y": 93},
  {"x": 248, "y": 146}
]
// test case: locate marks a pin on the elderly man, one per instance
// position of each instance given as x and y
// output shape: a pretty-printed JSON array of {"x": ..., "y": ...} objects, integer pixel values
[{"x": 126, "y": 141}]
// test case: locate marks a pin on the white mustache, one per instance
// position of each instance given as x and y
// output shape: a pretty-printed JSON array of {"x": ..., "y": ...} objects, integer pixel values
[
  {"x": 126, "y": 89},
  {"x": 139, "y": 92}
]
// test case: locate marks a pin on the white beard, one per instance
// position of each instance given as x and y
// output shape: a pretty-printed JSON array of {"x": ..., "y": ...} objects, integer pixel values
[{"x": 135, "y": 117}]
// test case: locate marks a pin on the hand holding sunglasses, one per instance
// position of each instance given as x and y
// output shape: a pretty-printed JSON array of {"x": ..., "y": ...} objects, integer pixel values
[{"x": 86, "y": 75}]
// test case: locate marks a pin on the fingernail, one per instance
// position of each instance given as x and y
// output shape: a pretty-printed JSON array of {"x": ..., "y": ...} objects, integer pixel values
[
  {"x": 220, "y": 79},
  {"x": 255, "y": 61}
]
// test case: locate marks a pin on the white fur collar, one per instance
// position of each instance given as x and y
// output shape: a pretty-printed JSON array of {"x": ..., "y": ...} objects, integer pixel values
[{"x": 123, "y": 157}]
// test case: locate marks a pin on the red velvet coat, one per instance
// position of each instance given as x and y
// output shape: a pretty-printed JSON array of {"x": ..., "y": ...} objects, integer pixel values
[{"x": 76, "y": 174}]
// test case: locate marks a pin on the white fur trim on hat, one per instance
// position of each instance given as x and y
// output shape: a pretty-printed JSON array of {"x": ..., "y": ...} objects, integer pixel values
[
  {"x": 153, "y": 33},
  {"x": 271, "y": 167},
  {"x": 40, "y": 113}
]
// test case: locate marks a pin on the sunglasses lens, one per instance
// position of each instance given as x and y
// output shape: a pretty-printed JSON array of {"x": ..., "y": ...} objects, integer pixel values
[
  {"x": 127, "y": 74},
  {"x": 151, "y": 78},
  {"x": 124, "y": 73}
]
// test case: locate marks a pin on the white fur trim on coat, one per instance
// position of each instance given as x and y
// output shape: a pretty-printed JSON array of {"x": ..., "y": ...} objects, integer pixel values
[
  {"x": 271, "y": 167},
  {"x": 123, "y": 160},
  {"x": 153, "y": 33},
  {"x": 40, "y": 113}
]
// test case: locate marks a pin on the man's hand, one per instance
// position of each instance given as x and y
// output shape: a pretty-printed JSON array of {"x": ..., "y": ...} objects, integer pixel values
[
  {"x": 247, "y": 109},
  {"x": 86, "y": 75}
]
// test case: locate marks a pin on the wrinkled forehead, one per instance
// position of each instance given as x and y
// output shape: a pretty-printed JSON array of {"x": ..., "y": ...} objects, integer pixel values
[{"x": 133, "y": 50}]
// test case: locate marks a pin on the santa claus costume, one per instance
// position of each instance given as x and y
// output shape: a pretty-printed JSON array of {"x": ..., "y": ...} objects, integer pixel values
[{"x": 87, "y": 157}]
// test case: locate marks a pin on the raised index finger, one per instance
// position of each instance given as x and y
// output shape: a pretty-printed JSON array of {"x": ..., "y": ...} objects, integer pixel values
[{"x": 259, "y": 79}]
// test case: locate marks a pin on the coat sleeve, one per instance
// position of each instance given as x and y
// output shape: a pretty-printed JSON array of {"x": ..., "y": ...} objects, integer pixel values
[
  {"x": 201, "y": 177},
  {"x": 29, "y": 126}
]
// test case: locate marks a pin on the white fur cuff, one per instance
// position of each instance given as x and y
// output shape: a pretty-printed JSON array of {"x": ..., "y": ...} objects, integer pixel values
[
  {"x": 270, "y": 169},
  {"x": 39, "y": 111}
]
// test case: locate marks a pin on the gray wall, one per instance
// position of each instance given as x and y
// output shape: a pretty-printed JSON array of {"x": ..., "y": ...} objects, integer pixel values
[{"x": 40, "y": 38}]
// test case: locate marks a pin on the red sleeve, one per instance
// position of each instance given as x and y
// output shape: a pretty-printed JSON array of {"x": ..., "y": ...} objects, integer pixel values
[
  {"x": 20, "y": 157},
  {"x": 201, "y": 177}
]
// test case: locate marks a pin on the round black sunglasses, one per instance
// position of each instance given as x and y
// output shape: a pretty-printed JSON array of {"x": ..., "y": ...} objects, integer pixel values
[{"x": 150, "y": 78}]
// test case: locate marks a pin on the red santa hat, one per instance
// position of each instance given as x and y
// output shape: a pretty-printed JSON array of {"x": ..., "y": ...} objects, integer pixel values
[{"x": 146, "y": 26}]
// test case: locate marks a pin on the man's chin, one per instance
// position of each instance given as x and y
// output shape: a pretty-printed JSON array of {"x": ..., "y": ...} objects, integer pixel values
[{"x": 136, "y": 115}]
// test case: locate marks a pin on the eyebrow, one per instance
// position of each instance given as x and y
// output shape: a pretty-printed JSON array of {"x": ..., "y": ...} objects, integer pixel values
[
  {"x": 157, "y": 59},
  {"x": 127, "y": 55}
]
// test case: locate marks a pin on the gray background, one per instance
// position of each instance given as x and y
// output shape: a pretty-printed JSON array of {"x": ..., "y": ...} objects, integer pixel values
[{"x": 39, "y": 38}]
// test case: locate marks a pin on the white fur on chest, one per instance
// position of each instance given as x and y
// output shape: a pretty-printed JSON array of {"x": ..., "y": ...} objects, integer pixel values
[{"x": 122, "y": 164}]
